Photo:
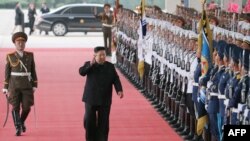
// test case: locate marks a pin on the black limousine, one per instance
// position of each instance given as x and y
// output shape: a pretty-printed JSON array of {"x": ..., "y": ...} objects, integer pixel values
[{"x": 71, "y": 18}]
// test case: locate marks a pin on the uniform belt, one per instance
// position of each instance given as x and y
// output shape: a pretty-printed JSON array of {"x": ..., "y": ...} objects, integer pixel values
[
  {"x": 235, "y": 110},
  {"x": 221, "y": 96},
  {"x": 213, "y": 94},
  {"x": 107, "y": 25},
  {"x": 20, "y": 73},
  {"x": 195, "y": 84}
]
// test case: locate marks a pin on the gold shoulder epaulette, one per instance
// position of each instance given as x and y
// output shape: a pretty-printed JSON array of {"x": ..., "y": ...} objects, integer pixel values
[
  {"x": 11, "y": 53},
  {"x": 13, "y": 64},
  {"x": 238, "y": 76}
]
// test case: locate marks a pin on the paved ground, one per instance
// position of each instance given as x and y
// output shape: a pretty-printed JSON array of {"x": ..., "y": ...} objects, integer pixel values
[{"x": 74, "y": 40}]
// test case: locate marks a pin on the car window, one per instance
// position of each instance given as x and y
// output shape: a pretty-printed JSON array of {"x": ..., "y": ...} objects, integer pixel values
[
  {"x": 100, "y": 9},
  {"x": 68, "y": 11},
  {"x": 81, "y": 10}
]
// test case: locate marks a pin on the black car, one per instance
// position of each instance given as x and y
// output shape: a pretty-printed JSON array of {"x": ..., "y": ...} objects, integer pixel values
[{"x": 72, "y": 18}]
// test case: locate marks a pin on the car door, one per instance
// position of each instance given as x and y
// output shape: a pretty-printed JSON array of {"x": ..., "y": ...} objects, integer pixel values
[{"x": 96, "y": 22}]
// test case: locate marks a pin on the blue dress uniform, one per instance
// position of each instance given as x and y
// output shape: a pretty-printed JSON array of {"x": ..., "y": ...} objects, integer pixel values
[
  {"x": 221, "y": 89},
  {"x": 197, "y": 74},
  {"x": 228, "y": 85},
  {"x": 241, "y": 90},
  {"x": 232, "y": 88},
  {"x": 213, "y": 101}
]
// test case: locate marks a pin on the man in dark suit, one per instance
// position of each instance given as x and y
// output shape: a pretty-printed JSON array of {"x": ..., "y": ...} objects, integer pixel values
[
  {"x": 20, "y": 81},
  {"x": 107, "y": 19},
  {"x": 101, "y": 76},
  {"x": 19, "y": 18}
]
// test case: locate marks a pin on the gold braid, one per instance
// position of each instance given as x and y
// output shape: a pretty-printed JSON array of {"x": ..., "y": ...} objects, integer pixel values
[{"x": 13, "y": 64}]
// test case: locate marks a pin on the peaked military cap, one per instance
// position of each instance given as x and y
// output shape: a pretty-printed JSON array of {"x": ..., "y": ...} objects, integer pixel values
[
  {"x": 19, "y": 36},
  {"x": 246, "y": 59},
  {"x": 220, "y": 48},
  {"x": 236, "y": 54}
]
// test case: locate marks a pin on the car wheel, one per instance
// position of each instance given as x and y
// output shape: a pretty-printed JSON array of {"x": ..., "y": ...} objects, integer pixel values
[{"x": 59, "y": 29}]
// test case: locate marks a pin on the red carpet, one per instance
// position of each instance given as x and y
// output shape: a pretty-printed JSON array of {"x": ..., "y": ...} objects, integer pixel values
[{"x": 59, "y": 110}]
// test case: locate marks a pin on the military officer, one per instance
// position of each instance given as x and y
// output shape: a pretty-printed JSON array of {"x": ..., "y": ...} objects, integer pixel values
[
  {"x": 233, "y": 111},
  {"x": 241, "y": 90},
  {"x": 191, "y": 62},
  {"x": 20, "y": 81},
  {"x": 213, "y": 101},
  {"x": 221, "y": 88}
]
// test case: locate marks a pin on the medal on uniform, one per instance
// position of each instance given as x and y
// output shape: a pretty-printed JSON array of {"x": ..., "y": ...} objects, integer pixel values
[
  {"x": 178, "y": 62},
  {"x": 182, "y": 64},
  {"x": 230, "y": 92},
  {"x": 167, "y": 56},
  {"x": 243, "y": 91},
  {"x": 188, "y": 66},
  {"x": 171, "y": 58},
  {"x": 175, "y": 59}
]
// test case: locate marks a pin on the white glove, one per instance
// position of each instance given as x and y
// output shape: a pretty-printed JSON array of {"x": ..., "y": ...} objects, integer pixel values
[
  {"x": 5, "y": 91},
  {"x": 206, "y": 107},
  {"x": 34, "y": 89}
]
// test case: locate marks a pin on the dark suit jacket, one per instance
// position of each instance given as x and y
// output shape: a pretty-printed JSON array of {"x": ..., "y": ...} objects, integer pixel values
[
  {"x": 19, "y": 18},
  {"x": 100, "y": 79}
]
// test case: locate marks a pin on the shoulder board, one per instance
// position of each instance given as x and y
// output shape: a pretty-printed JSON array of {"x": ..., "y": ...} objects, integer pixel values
[{"x": 12, "y": 53}]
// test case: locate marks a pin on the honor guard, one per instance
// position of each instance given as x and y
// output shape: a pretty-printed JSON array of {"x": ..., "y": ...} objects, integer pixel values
[
  {"x": 233, "y": 111},
  {"x": 20, "y": 81},
  {"x": 221, "y": 88}
]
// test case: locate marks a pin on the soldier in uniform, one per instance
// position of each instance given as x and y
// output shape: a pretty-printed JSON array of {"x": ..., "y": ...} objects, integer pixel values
[
  {"x": 241, "y": 90},
  {"x": 221, "y": 89},
  {"x": 107, "y": 21},
  {"x": 232, "y": 108},
  {"x": 212, "y": 98},
  {"x": 20, "y": 81},
  {"x": 191, "y": 63}
]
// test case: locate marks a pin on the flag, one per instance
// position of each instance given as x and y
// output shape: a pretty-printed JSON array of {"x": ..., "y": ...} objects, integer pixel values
[
  {"x": 141, "y": 69},
  {"x": 205, "y": 48},
  {"x": 143, "y": 23},
  {"x": 143, "y": 19},
  {"x": 205, "y": 45}
]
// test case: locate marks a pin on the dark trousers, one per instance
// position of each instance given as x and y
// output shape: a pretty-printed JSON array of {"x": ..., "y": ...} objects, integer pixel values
[
  {"x": 21, "y": 98},
  {"x": 96, "y": 122},
  {"x": 107, "y": 34},
  {"x": 31, "y": 24},
  {"x": 190, "y": 104}
]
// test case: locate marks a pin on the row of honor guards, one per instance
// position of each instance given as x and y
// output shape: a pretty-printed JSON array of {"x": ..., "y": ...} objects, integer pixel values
[{"x": 172, "y": 78}]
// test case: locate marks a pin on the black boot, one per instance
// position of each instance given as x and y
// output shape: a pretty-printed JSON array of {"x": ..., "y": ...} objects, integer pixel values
[
  {"x": 17, "y": 122},
  {"x": 186, "y": 129},
  {"x": 24, "y": 116},
  {"x": 192, "y": 133}
]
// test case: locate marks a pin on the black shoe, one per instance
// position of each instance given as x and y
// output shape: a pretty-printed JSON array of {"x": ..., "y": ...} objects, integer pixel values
[
  {"x": 23, "y": 127},
  {"x": 181, "y": 128},
  {"x": 190, "y": 136},
  {"x": 185, "y": 132},
  {"x": 18, "y": 131}
]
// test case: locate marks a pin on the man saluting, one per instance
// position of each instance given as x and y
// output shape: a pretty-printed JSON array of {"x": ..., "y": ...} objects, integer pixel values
[
  {"x": 20, "y": 81},
  {"x": 101, "y": 76}
]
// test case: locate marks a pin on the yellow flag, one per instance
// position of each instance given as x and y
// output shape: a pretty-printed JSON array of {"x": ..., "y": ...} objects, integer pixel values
[{"x": 141, "y": 68}]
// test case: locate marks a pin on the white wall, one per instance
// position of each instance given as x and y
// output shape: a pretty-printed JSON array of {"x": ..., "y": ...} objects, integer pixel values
[
  {"x": 196, "y": 4},
  {"x": 170, "y": 5}
]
